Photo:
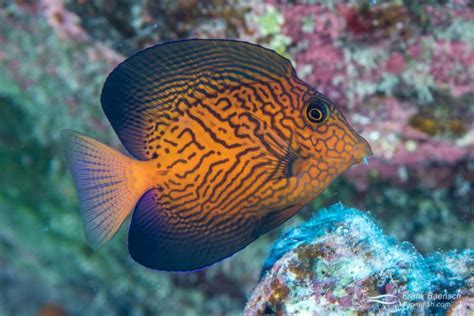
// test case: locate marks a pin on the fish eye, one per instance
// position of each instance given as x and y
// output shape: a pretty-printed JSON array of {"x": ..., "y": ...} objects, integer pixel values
[{"x": 317, "y": 111}]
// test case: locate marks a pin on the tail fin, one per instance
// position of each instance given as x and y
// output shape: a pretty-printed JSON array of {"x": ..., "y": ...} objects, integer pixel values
[{"x": 108, "y": 184}]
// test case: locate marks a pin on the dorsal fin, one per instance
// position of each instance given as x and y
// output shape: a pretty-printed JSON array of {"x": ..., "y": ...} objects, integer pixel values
[{"x": 141, "y": 95}]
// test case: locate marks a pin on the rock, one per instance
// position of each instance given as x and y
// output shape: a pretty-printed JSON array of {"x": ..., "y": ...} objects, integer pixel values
[{"x": 340, "y": 261}]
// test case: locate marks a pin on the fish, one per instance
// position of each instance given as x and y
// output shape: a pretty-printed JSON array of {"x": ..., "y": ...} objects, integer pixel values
[{"x": 226, "y": 143}]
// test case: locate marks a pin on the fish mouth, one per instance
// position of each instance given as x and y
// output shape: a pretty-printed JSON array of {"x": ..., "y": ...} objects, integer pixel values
[{"x": 361, "y": 152}]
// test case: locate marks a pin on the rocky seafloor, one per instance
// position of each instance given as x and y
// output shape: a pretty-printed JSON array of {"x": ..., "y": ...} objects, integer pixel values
[
  {"x": 402, "y": 72},
  {"x": 340, "y": 263}
]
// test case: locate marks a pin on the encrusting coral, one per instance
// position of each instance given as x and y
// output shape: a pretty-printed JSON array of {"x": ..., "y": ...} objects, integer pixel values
[
  {"x": 341, "y": 262},
  {"x": 380, "y": 63}
]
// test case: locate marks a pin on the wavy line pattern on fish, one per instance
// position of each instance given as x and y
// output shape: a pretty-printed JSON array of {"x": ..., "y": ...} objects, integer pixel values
[{"x": 229, "y": 144}]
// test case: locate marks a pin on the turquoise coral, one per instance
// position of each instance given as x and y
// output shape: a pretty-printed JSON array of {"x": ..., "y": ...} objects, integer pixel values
[{"x": 340, "y": 261}]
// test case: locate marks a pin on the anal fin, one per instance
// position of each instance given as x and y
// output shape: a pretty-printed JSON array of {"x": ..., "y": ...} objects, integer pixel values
[{"x": 159, "y": 239}]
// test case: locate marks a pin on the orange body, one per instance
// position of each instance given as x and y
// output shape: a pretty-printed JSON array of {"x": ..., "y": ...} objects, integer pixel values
[{"x": 220, "y": 163}]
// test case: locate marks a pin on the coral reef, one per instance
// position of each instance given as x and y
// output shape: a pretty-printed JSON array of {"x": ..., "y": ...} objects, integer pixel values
[
  {"x": 404, "y": 80},
  {"x": 129, "y": 25},
  {"x": 403, "y": 73},
  {"x": 382, "y": 66},
  {"x": 454, "y": 272},
  {"x": 51, "y": 73},
  {"x": 341, "y": 262}
]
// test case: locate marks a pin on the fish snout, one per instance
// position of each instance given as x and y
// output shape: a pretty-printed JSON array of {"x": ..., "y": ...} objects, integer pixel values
[{"x": 361, "y": 152}]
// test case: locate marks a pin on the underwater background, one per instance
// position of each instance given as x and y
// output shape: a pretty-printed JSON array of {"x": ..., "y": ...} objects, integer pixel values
[{"x": 402, "y": 72}]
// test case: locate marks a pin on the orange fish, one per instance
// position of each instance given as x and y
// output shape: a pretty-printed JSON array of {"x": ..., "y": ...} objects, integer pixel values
[{"x": 227, "y": 144}]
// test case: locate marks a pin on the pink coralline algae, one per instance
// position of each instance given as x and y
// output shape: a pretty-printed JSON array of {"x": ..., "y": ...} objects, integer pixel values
[
  {"x": 395, "y": 64},
  {"x": 452, "y": 66},
  {"x": 340, "y": 262},
  {"x": 64, "y": 22},
  {"x": 327, "y": 61},
  {"x": 399, "y": 147},
  {"x": 379, "y": 63},
  {"x": 67, "y": 26}
]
